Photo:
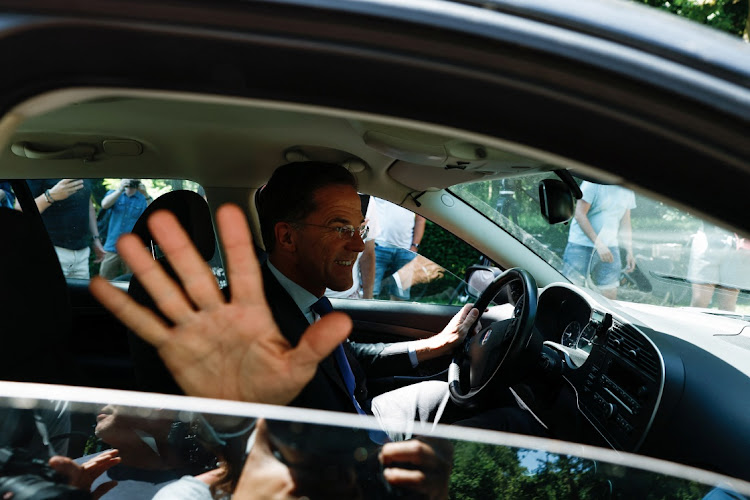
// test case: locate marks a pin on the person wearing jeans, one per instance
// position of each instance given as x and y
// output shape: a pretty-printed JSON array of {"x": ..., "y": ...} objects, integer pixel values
[{"x": 401, "y": 231}]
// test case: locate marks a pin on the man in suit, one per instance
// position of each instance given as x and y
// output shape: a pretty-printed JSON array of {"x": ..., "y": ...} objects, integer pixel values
[
  {"x": 313, "y": 230},
  {"x": 272, "y": 347}
]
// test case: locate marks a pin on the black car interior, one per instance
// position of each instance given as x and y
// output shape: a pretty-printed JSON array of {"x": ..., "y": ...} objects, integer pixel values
[
  {"x": 40, "y": 353},
  {"x": 193, "y": 214}
]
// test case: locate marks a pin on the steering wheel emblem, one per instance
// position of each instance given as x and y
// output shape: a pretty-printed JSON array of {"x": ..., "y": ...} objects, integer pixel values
[{"x": 486, "y": 336}]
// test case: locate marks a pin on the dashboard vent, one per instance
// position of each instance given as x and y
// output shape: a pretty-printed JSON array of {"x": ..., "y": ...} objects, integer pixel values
[{"x": 633, "y": 347}]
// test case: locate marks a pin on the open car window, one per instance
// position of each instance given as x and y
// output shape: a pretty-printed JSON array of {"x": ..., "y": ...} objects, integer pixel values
[
  {"x": 85, "y": 217},
  {"x": 408, "y": 258},
  {"x": 167, "y": 445}
]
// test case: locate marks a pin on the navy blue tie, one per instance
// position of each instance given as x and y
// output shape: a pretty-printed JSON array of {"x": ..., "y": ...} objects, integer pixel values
[{"x": 321, "y": 308}]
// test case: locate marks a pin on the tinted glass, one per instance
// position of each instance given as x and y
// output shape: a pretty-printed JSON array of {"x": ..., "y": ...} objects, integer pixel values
[{"x": 171, "y": 451}]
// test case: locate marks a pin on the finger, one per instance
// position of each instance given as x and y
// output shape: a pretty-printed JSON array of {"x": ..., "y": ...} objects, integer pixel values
[
  {"x": 67, "y": 467},
  {"x": 412, "y": 451},
  {"x": 141, "y": 320},
  {"x": 165, "y": 292},
  {"x": 103, "y": 456},
  {"x": 407, "y": 478},
  {"x": 102, "y": 489},
  {"x": 196, "y": 277},
  {"x": 471, "y": 319},
  {"x": 457, "y": 319},
  {"x": 243, "y": 270},
  {"x": 465, "y": 311},
  {"x": 99, "y": 464},
  {"x": 72, "y": 184},
  {"x": 320, "y": 339},
  {"x": 212, "y": 476}
]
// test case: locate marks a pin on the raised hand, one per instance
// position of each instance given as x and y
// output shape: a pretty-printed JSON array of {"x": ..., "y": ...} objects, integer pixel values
[
  {"x": 219, "y": 349},
  {"x": 66, "y": 187},
  {"x": 82, "y": 476}
]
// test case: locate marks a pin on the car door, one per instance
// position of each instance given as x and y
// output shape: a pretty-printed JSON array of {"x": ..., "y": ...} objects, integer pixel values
[{"x": 167, "y": 445}]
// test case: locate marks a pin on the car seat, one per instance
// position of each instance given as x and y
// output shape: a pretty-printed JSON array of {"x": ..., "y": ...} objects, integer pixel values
[
  {"x": 35, "y": 309},
  {"x": 193, "y": 214}
]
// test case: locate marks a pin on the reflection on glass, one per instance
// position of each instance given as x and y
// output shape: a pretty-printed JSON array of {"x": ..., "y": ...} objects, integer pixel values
[
  {"x": 486, "y": 471},
  {"x": 131, "y": 452}
]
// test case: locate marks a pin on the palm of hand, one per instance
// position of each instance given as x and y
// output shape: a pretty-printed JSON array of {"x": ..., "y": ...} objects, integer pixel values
[
  {"x": 230, "y": 350},
  {"x": 217, "y": 346}
]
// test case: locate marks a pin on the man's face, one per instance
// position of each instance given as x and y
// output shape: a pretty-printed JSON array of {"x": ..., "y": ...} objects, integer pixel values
[
  {"x": 117, "y": 428},
  {"x": 323, "y": 258}
]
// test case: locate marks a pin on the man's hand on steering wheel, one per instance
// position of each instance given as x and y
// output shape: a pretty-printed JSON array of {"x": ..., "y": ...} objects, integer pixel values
[
  {"x": 451, "y": 337},
  {"x": 491, "y": 356}
]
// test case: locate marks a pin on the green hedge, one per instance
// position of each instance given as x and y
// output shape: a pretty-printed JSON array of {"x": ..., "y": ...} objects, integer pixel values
[{"x": 445, "y": 249}]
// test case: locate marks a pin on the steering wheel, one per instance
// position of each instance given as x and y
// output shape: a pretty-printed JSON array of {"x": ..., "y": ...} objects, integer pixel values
[{"x": 490, "y": 355}]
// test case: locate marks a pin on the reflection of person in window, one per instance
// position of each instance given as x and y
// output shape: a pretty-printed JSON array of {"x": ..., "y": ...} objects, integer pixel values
[
  {"x": 127, "y": 203},
  {"x": 153, "y": 452},
  {"x": 720, "y": 264},
  {"x": 602, "y": 221},
  {"x": 70, "y": 218}
]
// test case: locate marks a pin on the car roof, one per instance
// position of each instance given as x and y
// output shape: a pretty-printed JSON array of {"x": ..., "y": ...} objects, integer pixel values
[{"x": 523, "y": 63}]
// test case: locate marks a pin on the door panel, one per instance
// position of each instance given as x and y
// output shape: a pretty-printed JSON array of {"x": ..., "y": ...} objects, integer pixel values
[{"x": 99, "y": 344}]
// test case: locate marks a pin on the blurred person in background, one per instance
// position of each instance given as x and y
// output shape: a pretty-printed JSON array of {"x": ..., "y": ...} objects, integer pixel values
[
  {"x": 397, "y": 244},
  {"x": 126, "y": 203},
  {"x": 70, "y": 218},
  {"x": 600, "y": 226}
]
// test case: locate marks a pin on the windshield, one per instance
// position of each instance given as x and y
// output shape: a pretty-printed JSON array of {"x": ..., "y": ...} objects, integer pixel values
[{"x": 624, "y": 245}]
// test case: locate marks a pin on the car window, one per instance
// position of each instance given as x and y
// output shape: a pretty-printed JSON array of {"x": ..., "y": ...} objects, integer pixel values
[
  {"x": 85, "y": 218},
  {"x": 181, "y": 445},
  {"x": 643, "y": 250},
  {"x": 408, "y": 258}
]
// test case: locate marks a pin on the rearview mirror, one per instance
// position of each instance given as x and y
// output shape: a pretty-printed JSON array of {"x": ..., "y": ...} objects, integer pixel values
[{"x": 555, "y": 201}]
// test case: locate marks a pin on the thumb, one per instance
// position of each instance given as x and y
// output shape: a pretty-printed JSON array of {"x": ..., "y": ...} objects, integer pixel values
[
  {"x": 65, "y": 466},
  {"x": 321, "y": 338}
]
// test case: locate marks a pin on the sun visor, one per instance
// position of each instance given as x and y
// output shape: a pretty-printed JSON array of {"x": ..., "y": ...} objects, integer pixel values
[
  {"x": 429, "y": 178},
  {"x": 431, "y": 162}
]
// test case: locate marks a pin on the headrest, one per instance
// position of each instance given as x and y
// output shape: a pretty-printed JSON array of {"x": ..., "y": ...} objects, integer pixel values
[{"x": 192, "y": 211}]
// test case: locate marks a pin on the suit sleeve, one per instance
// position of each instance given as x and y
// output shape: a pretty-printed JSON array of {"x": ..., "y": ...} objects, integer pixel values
[{"x": 380, "y": 360}]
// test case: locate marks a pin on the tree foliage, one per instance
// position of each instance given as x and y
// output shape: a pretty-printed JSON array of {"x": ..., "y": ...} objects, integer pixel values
[
  {"x": 491, "y": 471},
  {"x": 730, "y": 16}
]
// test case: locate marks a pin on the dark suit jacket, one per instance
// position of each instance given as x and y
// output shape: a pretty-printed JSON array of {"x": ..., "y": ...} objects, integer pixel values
[{"x": 326, "y": 391}]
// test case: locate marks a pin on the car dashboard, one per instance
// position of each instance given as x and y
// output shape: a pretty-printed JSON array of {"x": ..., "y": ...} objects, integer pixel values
[
  {"x": 616, "y": 372},
  {"x": 640, "y": 378}
]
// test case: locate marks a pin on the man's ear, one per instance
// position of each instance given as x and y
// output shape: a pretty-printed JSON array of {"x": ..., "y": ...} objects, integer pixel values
[{"x": 286, "y": 236}]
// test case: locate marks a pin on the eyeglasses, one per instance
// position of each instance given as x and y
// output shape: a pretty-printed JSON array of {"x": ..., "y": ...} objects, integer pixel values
[{"x": 345, "y": 232}]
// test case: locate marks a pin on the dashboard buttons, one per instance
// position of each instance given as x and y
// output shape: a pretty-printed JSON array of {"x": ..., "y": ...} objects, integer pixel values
[{"x": 609, "y": 410}]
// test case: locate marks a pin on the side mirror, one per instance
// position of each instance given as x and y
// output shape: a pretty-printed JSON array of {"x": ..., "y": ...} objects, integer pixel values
[
  {"x": 555, "y": 201},
  {"x": 479, "y": 278}
]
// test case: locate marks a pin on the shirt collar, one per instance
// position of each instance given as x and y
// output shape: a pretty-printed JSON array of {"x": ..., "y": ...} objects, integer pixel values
[{"x": 300, "y": 296}]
